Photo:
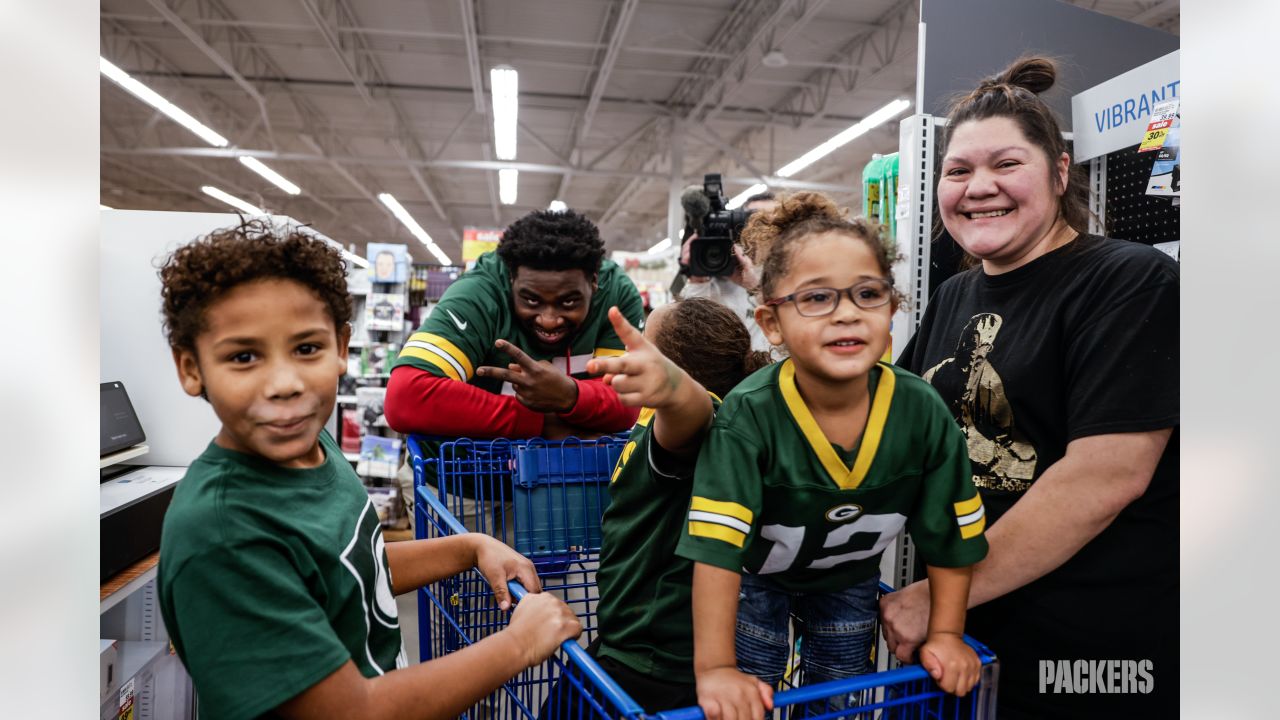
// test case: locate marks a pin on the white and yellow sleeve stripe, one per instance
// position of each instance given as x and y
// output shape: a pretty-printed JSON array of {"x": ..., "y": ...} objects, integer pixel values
[
  {"x": 439, "y": 352},
  {"x": 719, "y": 520},
  {"x": 971, "y": 517}
]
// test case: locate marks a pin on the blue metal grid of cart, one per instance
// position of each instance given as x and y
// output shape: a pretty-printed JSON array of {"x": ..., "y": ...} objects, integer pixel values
[{"x": 545, "y": 498}]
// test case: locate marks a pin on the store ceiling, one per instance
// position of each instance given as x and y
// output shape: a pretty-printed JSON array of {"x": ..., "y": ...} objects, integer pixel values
[{"x": 351, "y": 98}]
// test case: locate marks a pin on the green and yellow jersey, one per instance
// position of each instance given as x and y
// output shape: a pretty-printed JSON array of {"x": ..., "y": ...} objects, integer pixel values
[
  {"x": 646, "y": 621},
  {"x": 459, "y": 334},
  {"x": 773, "y": 496}
]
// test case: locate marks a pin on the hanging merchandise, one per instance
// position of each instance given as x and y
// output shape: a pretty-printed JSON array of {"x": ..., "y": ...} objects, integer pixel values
[
  {"x": 389, "y": 263},
  {"x": 1166, "y": 171}
]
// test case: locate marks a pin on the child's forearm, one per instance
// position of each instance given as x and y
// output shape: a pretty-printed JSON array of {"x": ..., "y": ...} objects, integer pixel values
[
  {"x": 439, "y": 688},
  {"x": 415, "y": 563},
  {"x": 948, "y": 599},
  {"x": 679, "y": 424},
  {"x": 715, "y": 612}
]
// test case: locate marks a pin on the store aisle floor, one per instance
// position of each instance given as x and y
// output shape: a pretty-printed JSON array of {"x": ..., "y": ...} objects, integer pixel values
[{"x": 408, "y": 607}]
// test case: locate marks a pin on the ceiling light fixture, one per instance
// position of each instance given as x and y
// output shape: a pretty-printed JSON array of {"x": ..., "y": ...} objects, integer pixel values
[
  {"x": 840, "y": 139},
  {"x": 233, "y": 201},
  {"x": 557, "y": 206},
  {"x": 774, "y": 59},
  {"x": 276, "y": 178},
  {"x": 736, "y": 201},
  {"x": 508, "y": 182},
  {"x": 661, "y": 245},
  {"x": 414, "y": 228},
  {"x": 152, "y": 98},
  {"x": 844, "y": 137},
  {"x": 504, "y": 84}
]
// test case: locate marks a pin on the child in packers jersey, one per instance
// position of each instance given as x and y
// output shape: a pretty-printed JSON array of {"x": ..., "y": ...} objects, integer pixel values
[
  {"x": 691, "y": 353},
  {"x": 813, "y": 466}
]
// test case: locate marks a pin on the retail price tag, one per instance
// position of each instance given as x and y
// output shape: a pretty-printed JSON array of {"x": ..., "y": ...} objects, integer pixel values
[
  {"x": 1163, "y": 116},
  {"x": 126, "y": 701}
]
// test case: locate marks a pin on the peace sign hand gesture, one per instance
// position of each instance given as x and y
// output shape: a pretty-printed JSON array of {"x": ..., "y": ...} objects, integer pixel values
[
  {"x": 643, "y": 376},
  {"x": 537, "y": 383}
]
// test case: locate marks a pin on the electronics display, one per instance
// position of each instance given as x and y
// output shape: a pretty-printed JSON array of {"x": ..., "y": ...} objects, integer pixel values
[{"x": 119, "y": 425}]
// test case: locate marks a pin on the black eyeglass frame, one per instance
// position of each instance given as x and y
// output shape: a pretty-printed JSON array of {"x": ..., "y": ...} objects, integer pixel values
[{"x": 839, "y": 293}]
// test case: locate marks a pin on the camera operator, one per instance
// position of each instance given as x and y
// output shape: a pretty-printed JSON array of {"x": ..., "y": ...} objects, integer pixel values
[{"x": 733, "y": 290}]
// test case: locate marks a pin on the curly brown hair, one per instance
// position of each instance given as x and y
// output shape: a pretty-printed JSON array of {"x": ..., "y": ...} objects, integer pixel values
[
  {"x": 197, "y": 274},
  {"x": 772, "y": 236},
  {"x": 710, "y": 343}
]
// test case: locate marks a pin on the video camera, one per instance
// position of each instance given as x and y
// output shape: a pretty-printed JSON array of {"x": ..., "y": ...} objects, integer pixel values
[{"x": 711, "y": 253}]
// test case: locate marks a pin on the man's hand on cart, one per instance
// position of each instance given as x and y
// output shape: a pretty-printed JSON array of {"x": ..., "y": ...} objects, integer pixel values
[
  {"x": 498, "y": 563},
  {"x": 538, "y": 384},
  {"x": 904, "y": 619},
  {"x": 951, "y": 663},
  {"x": 540, "y": 623},
  {"x": 642, "y": 377},
  {"x": 726, "y": 693}
]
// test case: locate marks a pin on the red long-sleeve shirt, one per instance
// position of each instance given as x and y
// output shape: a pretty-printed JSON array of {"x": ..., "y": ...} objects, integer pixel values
[{"x": 420, "y": 402}]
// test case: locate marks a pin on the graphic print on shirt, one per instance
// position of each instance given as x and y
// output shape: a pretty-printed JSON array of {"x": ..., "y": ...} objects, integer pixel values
[
  {"x": 1002, "y": 458},
  {"x": 366, "y": 558}
]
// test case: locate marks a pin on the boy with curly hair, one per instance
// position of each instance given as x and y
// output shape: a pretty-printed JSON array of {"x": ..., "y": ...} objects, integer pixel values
[{"x": 274, "y": 580}]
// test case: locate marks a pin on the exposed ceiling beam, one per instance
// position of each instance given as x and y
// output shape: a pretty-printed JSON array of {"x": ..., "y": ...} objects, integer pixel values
[
  {"x": 467, "y": 9},
  {"x": 626, "y": 11},
  {"x": 336, "y": 46},
  {"x": 215, "y": 56},
  {"x": 1155, "y": 12}
]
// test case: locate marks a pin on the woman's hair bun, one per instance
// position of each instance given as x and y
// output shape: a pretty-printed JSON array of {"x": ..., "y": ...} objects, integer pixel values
[{"x": 1035, "y": 74}]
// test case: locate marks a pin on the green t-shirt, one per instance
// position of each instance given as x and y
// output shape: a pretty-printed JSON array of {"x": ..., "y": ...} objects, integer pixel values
[
  {"x": 646, "y": 619},
  {"x": 271, "y": 578},
  {"x": 772, "y": 496},
  {"x": 459, "y": 334}
]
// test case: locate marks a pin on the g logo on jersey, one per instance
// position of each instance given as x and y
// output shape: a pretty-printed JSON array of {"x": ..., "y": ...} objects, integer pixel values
[{"x": 841, "y": 513}]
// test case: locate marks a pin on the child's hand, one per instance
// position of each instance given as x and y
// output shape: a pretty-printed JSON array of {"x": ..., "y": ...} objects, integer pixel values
[
  {"x": 499, "y": 563},
  {"x": 642, "y": 377},
  {"x": 540, "y": 623},
  {"x": 952, "y": 664},
  {"x": 725, "y": 693}
]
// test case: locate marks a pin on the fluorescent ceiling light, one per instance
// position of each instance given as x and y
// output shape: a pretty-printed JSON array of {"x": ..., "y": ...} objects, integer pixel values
[
  {"x": 736, "y": 201},
  {"x": 105, "y": 207},
  {"x": 508, "y": 180},
  {"x": 151, "y": 97},
  {"x": 662, "y": 244},
  {"x": 844, "y": 137},
  {"x": 557, "y": 206},
  {"x": 276, "y": 178},
  {"x": 504, "y": 83},
  {"x": 232, "y": 200},
  {"x": 414, "y": 228}
]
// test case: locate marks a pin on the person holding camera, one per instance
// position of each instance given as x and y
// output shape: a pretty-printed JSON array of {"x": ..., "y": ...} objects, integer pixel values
[{"x": 733, "y": 290}]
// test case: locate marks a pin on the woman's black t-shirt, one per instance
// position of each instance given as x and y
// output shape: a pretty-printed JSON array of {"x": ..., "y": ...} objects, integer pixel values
[{"x": 1081, "y": 341}]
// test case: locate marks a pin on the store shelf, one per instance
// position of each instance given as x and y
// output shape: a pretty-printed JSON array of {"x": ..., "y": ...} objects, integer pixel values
[
  {"x": 346, "y": 399},
  {"x": 351, "y": 456},
  {"x": 135, "y": 658},
  {"x": 124, "y": 583},
  {"x": 121, "y": 456}
]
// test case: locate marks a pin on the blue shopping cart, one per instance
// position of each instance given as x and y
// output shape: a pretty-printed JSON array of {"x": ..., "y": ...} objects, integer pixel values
[{"x": 546, "y": 499}]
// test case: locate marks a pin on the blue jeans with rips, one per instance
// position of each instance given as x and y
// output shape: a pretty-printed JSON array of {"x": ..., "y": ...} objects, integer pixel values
[{"x": 838, "y": 630}]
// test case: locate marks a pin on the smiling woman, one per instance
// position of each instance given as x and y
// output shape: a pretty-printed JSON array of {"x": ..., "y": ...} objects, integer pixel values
[{"x": 1058, "y": 358}]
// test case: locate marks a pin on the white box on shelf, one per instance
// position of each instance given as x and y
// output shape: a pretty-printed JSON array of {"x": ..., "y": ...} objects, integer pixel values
[{"x": 109, "y": 676}]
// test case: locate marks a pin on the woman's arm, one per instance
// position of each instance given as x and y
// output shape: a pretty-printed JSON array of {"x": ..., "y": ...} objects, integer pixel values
[{"x": 1070, "y": 504}]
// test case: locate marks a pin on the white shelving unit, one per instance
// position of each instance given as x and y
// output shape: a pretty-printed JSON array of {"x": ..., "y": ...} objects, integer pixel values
[{"x": 129, "y": 613}]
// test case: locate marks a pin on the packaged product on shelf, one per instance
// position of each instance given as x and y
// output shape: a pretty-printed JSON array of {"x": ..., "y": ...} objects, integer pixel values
[
  {"x": 384, "y": 311},
  {"x": 379, "y": 457},
  {"x": 369, "y": 402},
  {"x": 351, "y": 430}
]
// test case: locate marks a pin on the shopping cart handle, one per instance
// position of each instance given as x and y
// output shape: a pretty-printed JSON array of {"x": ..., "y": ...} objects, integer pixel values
[{"x": 589, "y": 667}]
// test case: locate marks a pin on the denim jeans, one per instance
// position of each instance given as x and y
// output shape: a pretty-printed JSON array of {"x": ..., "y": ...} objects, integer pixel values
[{"x": 838, "y": 630}]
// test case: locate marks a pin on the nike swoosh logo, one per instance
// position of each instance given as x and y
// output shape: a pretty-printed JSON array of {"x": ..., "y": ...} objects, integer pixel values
[{"x": 461, "y": 324}]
